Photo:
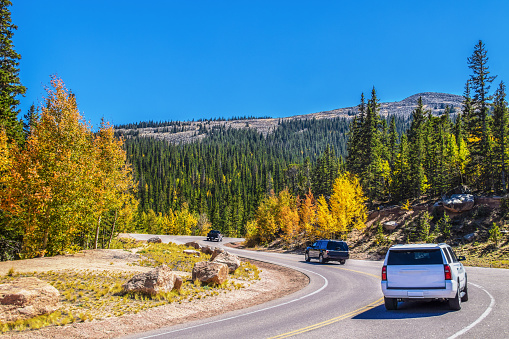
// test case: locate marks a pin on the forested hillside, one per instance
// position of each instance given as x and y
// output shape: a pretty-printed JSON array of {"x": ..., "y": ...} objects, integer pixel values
[
  {"x": 223, "y": 171},
  {"x": 227, "y": 173},
  {"x": 65, "y": 187}
]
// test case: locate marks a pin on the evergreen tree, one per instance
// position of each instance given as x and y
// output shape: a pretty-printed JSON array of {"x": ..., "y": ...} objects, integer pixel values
[
  {"x": 479, "y": 133},
  {"x": 10, "y": 85},
  {"x": 30, "y": 119},
  {"x": 355, "y": 146},
  {"x": 375, "y": 171},
  {"x": 416, "y": 141},
  {"x": 501, "y": 137}
]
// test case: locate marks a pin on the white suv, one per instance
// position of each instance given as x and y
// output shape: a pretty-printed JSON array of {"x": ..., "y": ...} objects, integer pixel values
[{"x": 423, "y": 272}]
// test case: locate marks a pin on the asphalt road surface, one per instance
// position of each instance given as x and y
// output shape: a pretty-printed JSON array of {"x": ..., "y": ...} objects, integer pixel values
[{"x": 345, "y": 301}]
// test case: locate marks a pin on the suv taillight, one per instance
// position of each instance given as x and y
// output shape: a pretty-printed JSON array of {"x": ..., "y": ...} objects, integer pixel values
[
  {"x": 447, "y": 272},
  {"x": 384, "y": 273}
]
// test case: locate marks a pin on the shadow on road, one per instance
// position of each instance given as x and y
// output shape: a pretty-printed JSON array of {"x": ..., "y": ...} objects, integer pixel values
[
  {"x": 407, "y": 310},
  {"x": 324, "y": 264}
]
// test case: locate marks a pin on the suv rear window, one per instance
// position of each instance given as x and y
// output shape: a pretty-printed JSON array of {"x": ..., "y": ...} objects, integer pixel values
[
  {"x": 337, "y": 246},
  {"x": 415, "y": 257}
]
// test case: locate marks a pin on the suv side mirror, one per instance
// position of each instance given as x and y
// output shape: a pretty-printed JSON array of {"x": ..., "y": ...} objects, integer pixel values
[{"x": 462, "y": 258}]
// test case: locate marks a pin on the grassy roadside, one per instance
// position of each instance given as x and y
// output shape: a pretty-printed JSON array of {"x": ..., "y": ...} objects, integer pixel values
[
  {"x": 86, "y": 295},
  {"x": 468, "y": 233}
]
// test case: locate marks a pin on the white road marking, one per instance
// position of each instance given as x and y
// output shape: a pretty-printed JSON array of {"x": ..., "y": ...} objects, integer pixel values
[
  {"x": 484, "y": 315},
  {"x": 326, "y": 283}
]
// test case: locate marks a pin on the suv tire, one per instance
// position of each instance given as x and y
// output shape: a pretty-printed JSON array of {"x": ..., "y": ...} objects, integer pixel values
[
  {"x": 306, "y": 257},
  {"x": 465, "y": 292},
  {"x": 391, "y": 304},
  {"x": 321, "y": 259},
  {"x": 455, "y": 303}
]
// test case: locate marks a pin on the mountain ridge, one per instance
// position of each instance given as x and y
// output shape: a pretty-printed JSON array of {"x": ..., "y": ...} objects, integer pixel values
[{"x": 190, "y": 131}]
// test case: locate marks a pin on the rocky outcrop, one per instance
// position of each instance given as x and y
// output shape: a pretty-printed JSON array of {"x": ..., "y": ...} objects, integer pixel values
[
  {"x": 215, "y": 253},
  {"x": 159, "y": 280},
  {"x": 207, "y": 250},
  {"x": 231, "y": 260},
  {"x": 194, "y": 245},
  {"x": 25, "y": 298},
  {"x": 458, "y": 203},
  {"x": 390, "y": 225},
  {"x": 210, "y": 272},
  {"x": 154, "y": 240}
]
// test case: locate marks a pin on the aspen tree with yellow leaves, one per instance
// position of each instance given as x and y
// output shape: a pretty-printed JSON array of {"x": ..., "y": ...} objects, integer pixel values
[
  {"x": 347, "y": 204},
  {"x": 64, "y": 179}
]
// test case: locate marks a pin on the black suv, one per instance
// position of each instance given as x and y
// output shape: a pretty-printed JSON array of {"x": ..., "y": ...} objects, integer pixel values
[
  {"x": 328, "y": 250},
  {"x": 214, "y": 235}
]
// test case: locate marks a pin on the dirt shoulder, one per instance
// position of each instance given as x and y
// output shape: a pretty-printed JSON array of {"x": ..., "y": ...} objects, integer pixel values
[{"x": 275, "y": 282}]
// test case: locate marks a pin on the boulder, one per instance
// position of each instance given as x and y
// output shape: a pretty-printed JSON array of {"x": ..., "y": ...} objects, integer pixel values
[
  {"x": 192, "y": 252},
  {"x": 210, "y": 272},
  {"x": 154, "y": 240},
  {"x": 160, "y": 279},
  {"x": 231, "y": 260},
  {"x": 390, "y": 225},
  {"x": 25, "y": 298},
  {"x": 469, "y": 237},
  {"x": 459, "y": 203},
  {"x": 462, "y": 189},
  {"x": 216, "y": 252},
  {"x": 207, "y": 250},
  {"x": 193, "y": 244}
]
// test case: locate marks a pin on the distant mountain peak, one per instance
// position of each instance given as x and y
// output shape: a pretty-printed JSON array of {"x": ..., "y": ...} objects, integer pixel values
[{"x": 179, "y": 132}]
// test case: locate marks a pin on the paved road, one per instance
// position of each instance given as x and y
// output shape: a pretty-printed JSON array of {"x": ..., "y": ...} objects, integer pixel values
[{"x": 345, "y": 301}]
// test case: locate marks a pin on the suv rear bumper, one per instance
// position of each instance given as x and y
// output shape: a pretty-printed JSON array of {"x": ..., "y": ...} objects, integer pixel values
[{"x": 448, "y": 292}]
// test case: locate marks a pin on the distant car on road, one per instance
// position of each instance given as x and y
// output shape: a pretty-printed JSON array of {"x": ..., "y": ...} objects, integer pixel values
[
  {"x": 418, "y": 272},
  {"x": 215, "y": 235},
  {"x": 328, "y": 250}
]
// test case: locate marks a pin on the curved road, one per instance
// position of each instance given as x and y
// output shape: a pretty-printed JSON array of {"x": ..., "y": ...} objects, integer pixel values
[{"x": 346, "y": 301}]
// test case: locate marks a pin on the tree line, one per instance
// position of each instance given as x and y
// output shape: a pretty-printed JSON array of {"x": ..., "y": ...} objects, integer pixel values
[
  {"x": 65, "y": 187},
  {"x": 436, "y": 153}
]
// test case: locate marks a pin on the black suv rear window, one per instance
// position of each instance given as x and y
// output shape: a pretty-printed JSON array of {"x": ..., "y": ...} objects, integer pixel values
[
  {"x": 337, "y": 246},
  {"x": 415, "y": 257}
]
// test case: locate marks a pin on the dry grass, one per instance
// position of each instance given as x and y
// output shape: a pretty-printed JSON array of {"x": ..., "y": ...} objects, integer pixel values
[
  {"x": 370, "y": 243},
  {"x": 86, "y": 295}
]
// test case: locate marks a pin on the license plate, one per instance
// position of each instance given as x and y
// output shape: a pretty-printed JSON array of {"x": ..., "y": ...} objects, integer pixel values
[{"x": 416, "y": 294}]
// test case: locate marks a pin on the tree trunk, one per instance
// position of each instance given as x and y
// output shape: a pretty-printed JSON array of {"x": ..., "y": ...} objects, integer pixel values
[
  {"x": 113, "y": 229},
  {"x": 97, "y": 233}
]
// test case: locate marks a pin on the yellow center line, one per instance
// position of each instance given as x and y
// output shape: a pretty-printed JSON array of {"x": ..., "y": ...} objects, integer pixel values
[{"x": 336, "y": 319}]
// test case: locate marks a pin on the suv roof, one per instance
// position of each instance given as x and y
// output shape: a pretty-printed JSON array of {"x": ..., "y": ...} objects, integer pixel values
[{"x": 419, "y": 246}]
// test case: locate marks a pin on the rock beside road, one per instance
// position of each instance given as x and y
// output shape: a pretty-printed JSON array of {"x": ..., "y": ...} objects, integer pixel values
[
  {"x": 216, "y": 252},
  {"x": 161, "y": 279},
  {"x": 210, "y": 272},
  {"x": 231, "y": 260},
  {"x": 194, "y": 245},
  {"x": 459, "y": 203},
  {"x": 25, "y": 298}
]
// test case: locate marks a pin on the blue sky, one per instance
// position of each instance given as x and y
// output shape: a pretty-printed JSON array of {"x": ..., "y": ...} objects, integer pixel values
[{"x": 130, "y": 61}]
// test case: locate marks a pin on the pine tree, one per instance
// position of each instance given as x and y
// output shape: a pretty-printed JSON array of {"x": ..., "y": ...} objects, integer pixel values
[
  {"x": 479, "y": 133},
  {"x": 30, "y": 119},
  {"x": 416, "y": 141},
  {"x": 501, "y": 137},
  {"x": 10, "y": 84},
  {"x": 355, "y": 146}
]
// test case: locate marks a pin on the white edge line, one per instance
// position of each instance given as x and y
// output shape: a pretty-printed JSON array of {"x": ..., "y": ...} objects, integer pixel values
[
  {"x": 484, "y": 315},
  {"x": 249, "y": 313}
]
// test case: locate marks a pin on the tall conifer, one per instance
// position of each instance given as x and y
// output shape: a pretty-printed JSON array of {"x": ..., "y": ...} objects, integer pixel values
[
  {"x": 479, "y": 136},
  {"x": 10, "y": 84},
  {"x": 501, "y": 136}
]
